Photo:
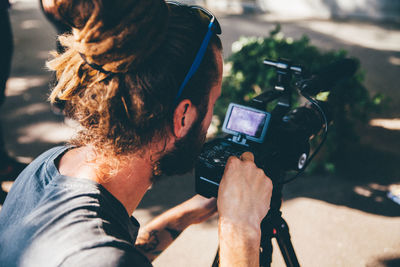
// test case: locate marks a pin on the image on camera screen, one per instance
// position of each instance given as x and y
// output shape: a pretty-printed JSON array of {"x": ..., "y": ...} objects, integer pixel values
[{"x": 248, "y": 122}]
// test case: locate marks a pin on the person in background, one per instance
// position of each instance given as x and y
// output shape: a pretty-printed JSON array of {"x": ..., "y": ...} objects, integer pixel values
[
  {"x": 142, "y": 78},
  {"x": 9, "y": 167}
]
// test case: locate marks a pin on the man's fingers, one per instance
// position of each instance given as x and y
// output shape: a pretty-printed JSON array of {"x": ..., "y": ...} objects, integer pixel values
[{"x": 247, "y": 156}]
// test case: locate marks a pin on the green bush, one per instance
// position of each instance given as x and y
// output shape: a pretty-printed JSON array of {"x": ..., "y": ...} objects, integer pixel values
[{"x": 247, "y": 77}]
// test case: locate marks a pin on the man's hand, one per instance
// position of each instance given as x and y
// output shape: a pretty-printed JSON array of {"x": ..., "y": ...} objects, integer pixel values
[
  {"x": 243, "y": 201},
  {"x": 199, "y": 209},
  {"x": 164, "y": 229},
  {"x": 245, "y": 192}
]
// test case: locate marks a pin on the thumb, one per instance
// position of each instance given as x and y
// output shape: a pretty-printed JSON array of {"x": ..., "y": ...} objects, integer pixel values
[{"x": 247, "y": 156}]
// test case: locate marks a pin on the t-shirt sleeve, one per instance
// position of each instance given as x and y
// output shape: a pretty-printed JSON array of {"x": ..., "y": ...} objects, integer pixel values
[{"x": 107, "y": 257}]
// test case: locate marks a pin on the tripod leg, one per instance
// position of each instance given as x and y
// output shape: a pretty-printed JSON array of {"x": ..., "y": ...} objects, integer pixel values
[
  {"x": 266, "y": 253},
  {"x": 285, "y": 244},
  {"x": 267, "y": 234}
]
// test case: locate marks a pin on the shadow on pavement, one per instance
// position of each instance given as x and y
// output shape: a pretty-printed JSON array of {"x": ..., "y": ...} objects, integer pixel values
[{"x": 385, "y": 262}]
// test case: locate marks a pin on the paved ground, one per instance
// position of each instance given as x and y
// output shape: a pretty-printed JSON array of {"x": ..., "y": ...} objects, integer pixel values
[{"x": 334, "y": 221}]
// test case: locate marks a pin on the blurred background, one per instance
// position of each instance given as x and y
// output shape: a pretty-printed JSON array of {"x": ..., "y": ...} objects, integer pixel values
[{"x": 336, "y": 218}]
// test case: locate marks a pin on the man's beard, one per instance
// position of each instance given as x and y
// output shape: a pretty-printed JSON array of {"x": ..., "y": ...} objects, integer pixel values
[{"x": 182, "y": 157}]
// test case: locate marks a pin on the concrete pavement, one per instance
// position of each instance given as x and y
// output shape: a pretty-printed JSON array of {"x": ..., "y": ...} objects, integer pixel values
[{"x": 334, "y": 221}]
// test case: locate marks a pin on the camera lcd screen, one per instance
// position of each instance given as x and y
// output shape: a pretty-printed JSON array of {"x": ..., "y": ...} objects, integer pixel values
[{"x": 247, "y": 121}]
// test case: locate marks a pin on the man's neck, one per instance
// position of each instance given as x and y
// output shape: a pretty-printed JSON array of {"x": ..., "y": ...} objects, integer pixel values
[{"x": 128, "y": 184}]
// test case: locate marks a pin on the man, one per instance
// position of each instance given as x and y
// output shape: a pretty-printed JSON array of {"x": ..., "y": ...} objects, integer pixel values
[{"x": 142, "y": 78}]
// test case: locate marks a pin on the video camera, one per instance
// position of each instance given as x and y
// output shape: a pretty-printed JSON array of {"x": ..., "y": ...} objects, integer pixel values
[{"x": 280, "y": 139}]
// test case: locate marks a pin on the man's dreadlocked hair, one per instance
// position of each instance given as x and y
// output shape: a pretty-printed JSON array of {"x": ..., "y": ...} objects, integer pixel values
[{"x": 122, "y": 68}]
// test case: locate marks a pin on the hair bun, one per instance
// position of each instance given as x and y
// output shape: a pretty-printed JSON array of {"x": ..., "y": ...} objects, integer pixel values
[{"x": 115, "y": 34}]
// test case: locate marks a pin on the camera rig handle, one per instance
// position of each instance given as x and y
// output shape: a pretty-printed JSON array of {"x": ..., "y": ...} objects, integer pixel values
[
  {"x": 283, "y": 67},
  {"x": 282, "y": 89}
]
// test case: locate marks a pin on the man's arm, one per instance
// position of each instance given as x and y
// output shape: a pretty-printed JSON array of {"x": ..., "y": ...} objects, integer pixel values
[
  {"x": 164, "y": 229},
  {"x": 238, "y": 245},
  {"x": 243, "y": 201}
]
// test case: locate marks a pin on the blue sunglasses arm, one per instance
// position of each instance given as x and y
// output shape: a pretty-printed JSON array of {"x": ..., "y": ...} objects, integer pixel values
[{"x": 197, "y": 61}]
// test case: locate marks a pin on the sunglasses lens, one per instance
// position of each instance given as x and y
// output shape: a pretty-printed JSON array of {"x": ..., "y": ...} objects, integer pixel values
[
  {"x": 203, "y": 16},
  {"x": 202, "y": 13},
  {"x": 207, "y": 17}
]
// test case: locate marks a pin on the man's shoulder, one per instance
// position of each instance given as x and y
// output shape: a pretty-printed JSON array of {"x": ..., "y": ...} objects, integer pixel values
[
  {"x": 65, "y": 217},
  {"x": 82, "y": 234},
  {"x": 105, "y": 255},
  {"x": 81, "y": 237}
]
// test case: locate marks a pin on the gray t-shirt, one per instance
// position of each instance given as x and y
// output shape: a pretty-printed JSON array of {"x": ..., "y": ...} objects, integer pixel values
[{"x": 52, "y": 220}]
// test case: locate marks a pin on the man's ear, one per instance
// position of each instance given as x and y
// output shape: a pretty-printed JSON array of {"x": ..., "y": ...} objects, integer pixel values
[{"x": 185, "y": 115}]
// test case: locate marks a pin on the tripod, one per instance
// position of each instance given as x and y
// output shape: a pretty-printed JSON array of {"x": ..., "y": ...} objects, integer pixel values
[
  {"x": 274, "y": 226},
  {"x": 288, "y": 146}
]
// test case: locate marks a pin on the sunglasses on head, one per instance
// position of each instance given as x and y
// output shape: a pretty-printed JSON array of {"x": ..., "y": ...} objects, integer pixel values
[{"x": 213, "y": 28}]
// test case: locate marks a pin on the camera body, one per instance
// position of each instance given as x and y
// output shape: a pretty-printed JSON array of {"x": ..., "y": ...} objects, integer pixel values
[
  {"x": 247, "y": 128},
  {"x": 279, "y": 144}
]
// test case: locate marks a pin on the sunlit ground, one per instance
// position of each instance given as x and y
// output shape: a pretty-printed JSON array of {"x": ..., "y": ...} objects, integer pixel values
[
  {"x": 390, "y": 124},
  {"x": 49, "y": 132},
  {"x": 394, "y": 60},
  {"x": 19, "y": 85},
  {"x": 369, "y": 36},
  {"x": 342, "y": 233}
]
